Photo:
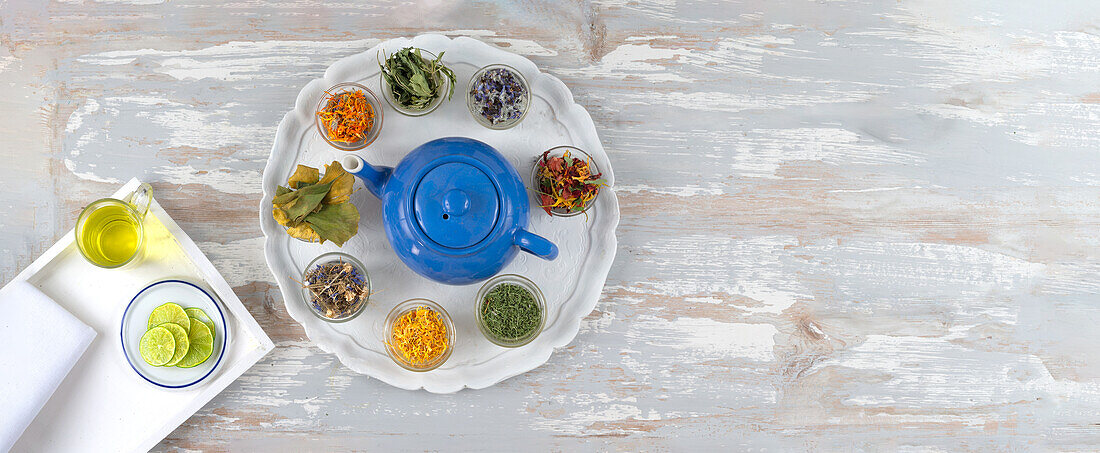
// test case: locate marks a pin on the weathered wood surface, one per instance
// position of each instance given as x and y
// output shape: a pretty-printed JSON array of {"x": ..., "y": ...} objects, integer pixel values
[{"x": 846, "y": 225}]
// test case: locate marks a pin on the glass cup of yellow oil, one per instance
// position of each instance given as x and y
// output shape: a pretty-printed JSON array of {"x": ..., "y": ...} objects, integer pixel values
[{"x": 109, "y": 232}]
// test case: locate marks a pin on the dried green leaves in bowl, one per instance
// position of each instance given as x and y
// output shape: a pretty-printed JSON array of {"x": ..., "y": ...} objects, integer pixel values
[
  {"x": 316, "y": 209},
  {"x": 415, "y": 80}
]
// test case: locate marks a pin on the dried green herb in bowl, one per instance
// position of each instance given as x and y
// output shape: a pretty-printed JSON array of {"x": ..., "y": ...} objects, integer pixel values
[
  {"x": 511, "y": 310},
  {"x": 414, "y": 80}
]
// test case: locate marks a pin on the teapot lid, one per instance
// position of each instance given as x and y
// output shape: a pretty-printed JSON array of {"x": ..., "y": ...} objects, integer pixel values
[{"x": 456, "y": 204}]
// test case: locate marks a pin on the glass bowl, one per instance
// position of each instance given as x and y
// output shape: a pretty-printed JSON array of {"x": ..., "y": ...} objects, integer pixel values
[
  {"x": 524, "y": 283},
  {"x": 470, "y": 101},
  {"x": 335, "y": 257},
  {"x": 441, "y": 80},
  {"x": 560, "y": 151},
  {"x": 135, "y": 322},
  {"x": 375, "y": 104},
  {"x": 405, "y": 307}
]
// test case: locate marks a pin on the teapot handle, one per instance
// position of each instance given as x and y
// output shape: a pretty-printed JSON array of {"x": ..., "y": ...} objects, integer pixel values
[{"x": 535, "y": 244}]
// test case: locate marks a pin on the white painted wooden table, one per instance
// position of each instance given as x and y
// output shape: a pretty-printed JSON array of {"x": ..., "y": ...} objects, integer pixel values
[{"x": 845, "y": 225}]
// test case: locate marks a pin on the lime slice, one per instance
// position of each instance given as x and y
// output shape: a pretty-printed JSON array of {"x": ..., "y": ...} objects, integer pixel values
[
  {"x": 182, "y": 343},
  {"x": 202, "y": 344},
  {"x": 197, "y": 313},
  {"x": 169, "y": 312},
  {"x": 157, "y": 346}
]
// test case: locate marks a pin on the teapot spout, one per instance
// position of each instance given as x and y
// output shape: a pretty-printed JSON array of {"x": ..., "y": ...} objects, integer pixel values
[{"x": 373, "y": 177}]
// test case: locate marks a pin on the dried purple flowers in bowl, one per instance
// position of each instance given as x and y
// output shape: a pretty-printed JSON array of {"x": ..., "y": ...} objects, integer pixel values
[
  {"x": 336, "y": 287},
  {"x": 498, "y": 96}
]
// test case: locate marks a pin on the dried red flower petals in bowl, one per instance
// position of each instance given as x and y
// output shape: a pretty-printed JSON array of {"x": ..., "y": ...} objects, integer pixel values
[{"x": 566, "y": 181}]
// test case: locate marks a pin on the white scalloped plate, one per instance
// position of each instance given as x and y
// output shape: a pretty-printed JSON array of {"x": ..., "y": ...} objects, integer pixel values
[{"x": 572, "y": 283}]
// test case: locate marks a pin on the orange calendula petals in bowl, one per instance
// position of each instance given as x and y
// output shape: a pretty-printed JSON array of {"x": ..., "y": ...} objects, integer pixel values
[
  {"x": 420, "y": 335},
  {"x": 347, "y": 117}
]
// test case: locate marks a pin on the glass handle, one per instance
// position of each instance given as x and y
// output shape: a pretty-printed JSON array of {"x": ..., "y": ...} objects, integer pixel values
[{"x": 141, "y": 199}]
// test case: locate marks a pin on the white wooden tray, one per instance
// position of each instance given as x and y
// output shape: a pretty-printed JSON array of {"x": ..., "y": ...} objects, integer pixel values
[
  {"x": 572, "y": 283},
  {"x": 103, "y": 405}
]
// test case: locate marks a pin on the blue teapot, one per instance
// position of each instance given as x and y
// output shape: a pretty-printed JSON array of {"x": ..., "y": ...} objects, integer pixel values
[{"x": 454, "y": 210}]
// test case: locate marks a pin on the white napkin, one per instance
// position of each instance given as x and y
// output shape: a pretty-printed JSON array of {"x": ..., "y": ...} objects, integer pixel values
[{"x": 39, "y": 343}]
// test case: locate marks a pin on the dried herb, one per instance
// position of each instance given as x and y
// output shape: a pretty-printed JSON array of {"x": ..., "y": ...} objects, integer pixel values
[
  {"x": 415, "y": 81},
  {"x": 303, "y": 231},
  {"x": 419, "y": 335},
  {"x": 566, "y": 184},
  {"x": 303, "y": 176},
  {"x": 347, "y": 116},
  {"x": 336, "y": 289},
  {"x": 510, "y": 312},
  {"x": 297, "y": 204},
  {"x": 333, "y": 222},
  {"x": 316, "y": 209},
  {"x": 342, "y": 182},
  {"x": 499, "y": 96}
]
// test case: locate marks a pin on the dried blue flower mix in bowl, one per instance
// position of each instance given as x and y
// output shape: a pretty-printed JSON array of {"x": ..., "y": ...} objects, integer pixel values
[
  {"x": 336, "y": 287},
  {"x": 498, "y": 96}
]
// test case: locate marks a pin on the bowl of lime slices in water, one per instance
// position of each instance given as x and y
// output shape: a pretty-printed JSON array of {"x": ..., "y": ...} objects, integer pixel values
[{"x": 173, "y": 334}]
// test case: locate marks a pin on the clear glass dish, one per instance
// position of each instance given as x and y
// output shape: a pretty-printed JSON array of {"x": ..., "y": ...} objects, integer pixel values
[
  {"x": 442, "y": 81},
  {"x": 135, "y": 323},
  {"x": 405, "y": 307},
  {"x": 560, "y": 151},
  {"x": 335, "y": 257},
  {"x": 375, "y": 104},
  {"x": 524, "y": 283},
  {"x": 471, "y": 102}
]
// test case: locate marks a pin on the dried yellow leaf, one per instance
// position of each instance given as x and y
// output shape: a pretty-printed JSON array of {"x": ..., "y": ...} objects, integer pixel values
[
  {"x": 280, "y": 216},
  {"x": 303, "y": 174},
  {"x": 304, "y": 232},
  {"x": 342, "y": 183}
]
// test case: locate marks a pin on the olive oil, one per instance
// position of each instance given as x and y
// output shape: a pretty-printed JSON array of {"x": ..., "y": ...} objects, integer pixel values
[{"x": 110, "y": 235}]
